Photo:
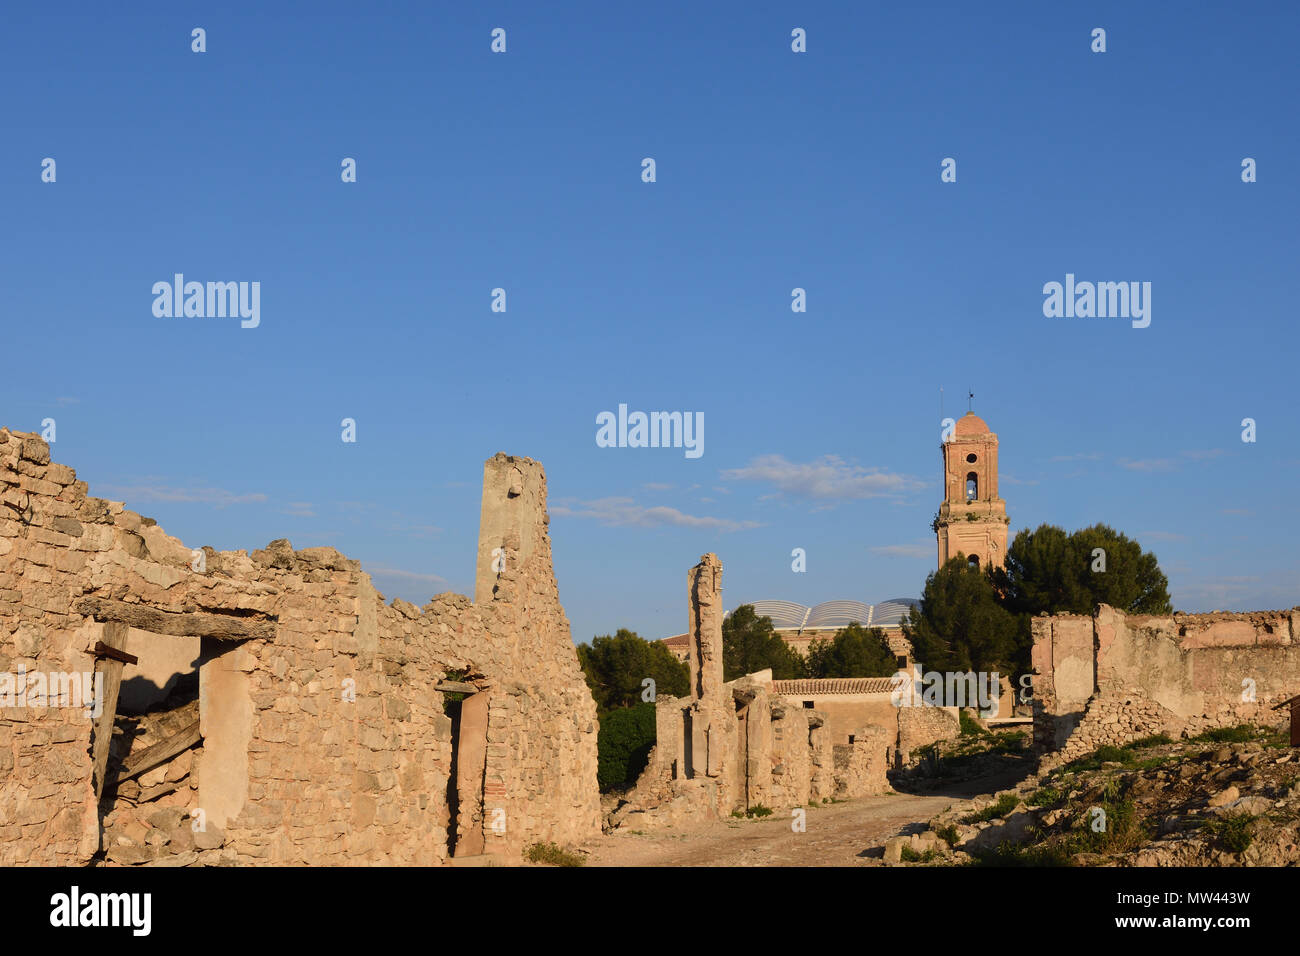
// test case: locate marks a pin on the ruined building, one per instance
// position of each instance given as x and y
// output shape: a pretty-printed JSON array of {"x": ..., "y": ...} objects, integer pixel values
[
  {"x": 304, "y": 721},
  {"x": 733, "y": 745},
  {"x": 1111, "y": 677}
]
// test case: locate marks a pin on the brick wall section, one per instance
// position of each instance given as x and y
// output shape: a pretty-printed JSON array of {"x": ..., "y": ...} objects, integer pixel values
[
  {"x": 330, "y": 779},
  {"x": 1112, "y": 678}
]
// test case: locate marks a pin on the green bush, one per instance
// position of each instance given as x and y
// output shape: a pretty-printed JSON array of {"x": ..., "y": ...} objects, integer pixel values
[
  {"x": 1047, "y": 798},
  {"x": 1231, "y": 832},
  {"x": 1005, "y": 804},
  {"x": 969, "y": 725},
  {"x": 623, "y": 745},
  {"x": 1230, "y": 735},
  {"x": 948, "y": 834}
]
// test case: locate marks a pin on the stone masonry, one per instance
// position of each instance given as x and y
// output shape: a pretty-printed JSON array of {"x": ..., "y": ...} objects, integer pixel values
[
  {"x": 1113, "y": 677},
  {"x": 735, "y": 745},
  {"x": 323, "y": 735}
]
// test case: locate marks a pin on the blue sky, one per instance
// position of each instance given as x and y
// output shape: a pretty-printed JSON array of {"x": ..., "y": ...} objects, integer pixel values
[{"x": 775, "y": 170}]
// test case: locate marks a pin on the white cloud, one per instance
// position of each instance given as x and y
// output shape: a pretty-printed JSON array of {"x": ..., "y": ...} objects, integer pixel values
[
  {"x": 399, "y": 575},
  {"x": 827, "y": 478},
  {"x": 906, "y": 550},
  {"x": 624, "y": 512},
  {"x": 209, "y": 496},
  {"x": 1148, "y": 464}
]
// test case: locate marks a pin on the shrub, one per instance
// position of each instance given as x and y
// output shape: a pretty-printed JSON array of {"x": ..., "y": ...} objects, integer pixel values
[
  {"x": 1047, "y": 797},
  {"x": 758, "y": 810},
  {"x": 623, "y": 745},
  {"x": 1231, "y": 832},
  {"x": 552, "y": 855},
  {"x": 1230, "y": 735},
  {"x": 911, "y": 856},
  {"x": 948, "y": 834},
  {"x": 969, "y": 725},
  {"x": 1004, "y": 805}
]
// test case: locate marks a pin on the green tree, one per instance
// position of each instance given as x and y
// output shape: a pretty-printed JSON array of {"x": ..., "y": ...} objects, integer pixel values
[
  {"x": 1050, "y": 572},
  {"x": 959, "y": 624},
  {"x": 623, "y": 745},
  {"x": 616, "y": 666},
  {"x": 855, "y": 651},
  {"x": 750, "y": 644}
]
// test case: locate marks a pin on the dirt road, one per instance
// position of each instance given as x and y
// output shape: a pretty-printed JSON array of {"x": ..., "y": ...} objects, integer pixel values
[{"x": 840, "y": 834}]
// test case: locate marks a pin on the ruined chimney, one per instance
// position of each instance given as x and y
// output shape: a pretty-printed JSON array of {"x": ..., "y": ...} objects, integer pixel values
[{"x": 512, "y": 522}]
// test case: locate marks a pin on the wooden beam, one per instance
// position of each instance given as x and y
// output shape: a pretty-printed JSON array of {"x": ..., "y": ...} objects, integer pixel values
[
  {"x": 455, "y": 687},
  {"x": 229, "y": 627},
  {"x": 115, "y": 634},
  {"x": 159, "y": 753}
]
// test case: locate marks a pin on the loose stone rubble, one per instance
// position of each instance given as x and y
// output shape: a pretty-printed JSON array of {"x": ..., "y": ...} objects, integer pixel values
[{"x": 324, "y": 737}]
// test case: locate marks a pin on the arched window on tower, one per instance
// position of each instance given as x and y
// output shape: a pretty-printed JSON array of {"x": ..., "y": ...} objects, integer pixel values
[
  {"x": 974, "y": 561},
  {"x": 972, "y": 486}
]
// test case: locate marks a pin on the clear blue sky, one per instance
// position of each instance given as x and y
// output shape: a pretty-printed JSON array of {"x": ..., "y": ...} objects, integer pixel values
[{"x": 775, "y": 170}]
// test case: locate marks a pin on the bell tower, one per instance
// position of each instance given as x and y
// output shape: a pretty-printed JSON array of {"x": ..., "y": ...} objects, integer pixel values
[{"x": 972, "y": 519}]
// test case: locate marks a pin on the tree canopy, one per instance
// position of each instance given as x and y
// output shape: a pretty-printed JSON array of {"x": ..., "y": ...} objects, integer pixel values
[
  {"x": 750, "y": 644},
  {"x": 962, "y": 623},
  {"x": 1048, "y": 571},
  {"x": 615, "y": 667},
  {"x": 959, "y": 624},
  {"x": 855, "y": 651}
]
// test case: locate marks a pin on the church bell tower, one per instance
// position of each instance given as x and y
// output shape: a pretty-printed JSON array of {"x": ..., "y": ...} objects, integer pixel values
[{"x": 972, "y": 519}]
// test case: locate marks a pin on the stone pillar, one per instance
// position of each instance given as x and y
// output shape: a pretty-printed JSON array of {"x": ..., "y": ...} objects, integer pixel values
[{"x": 704, "y": 591}]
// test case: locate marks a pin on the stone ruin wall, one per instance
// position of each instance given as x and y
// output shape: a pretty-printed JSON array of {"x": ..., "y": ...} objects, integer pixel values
[
  {"x": 1113, "y": 677},
  {"x": 290, "y": 768},
  {"x": 734, "y": 745}
]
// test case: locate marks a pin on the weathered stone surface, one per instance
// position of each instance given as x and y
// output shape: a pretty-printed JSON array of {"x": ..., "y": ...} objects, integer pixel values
[
  {"x": 1113, "y": 678},
  {"x": 307, "y": 681}
]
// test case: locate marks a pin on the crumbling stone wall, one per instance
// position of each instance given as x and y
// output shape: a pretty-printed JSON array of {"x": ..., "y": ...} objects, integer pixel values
[
  {"x": 736, "y": 745},
  {"x": 1112, "y": 678},
  {"x": 861, "y": 766},
  {"x": 323, "y": 738}
]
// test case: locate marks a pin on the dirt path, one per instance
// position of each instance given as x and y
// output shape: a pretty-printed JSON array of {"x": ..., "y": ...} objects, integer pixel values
[{"x": 840, "y": 834}]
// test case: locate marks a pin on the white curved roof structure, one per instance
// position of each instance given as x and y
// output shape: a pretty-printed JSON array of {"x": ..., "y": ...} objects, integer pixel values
[{"x": 787, "y": 614}]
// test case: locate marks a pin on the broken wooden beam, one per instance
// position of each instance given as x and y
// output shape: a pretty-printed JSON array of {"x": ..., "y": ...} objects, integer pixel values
[
  {"x": 115, "y": 635},
  {"x": 230, "y": 627},
  {"x": 456, "y": 687},
  {"x": 159, "y": 753}
]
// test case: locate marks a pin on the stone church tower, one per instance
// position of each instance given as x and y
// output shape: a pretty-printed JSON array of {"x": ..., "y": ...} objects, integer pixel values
[{"x": 972, "y": 519}]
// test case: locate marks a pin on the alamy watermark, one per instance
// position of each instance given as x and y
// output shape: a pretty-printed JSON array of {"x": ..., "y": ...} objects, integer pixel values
[
  {"x": 979, "y": 689},
  {"x": 653, "y": 430},
  {"x": 83, "y": 689},
  {"x": 1102, "y": 300},
  {"x": 215, "y": 300}
]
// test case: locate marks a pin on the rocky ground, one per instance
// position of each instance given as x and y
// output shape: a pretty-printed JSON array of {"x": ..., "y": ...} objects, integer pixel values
[{"x": 1227, "y": 798}]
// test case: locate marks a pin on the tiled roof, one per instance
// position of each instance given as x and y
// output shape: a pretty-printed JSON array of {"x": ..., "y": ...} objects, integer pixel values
[
  {"x": 833, "y": 685},
  {"x": 677, "y": 640}
]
